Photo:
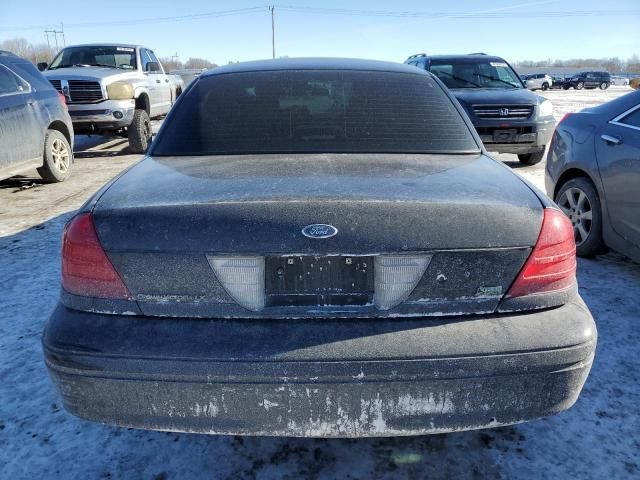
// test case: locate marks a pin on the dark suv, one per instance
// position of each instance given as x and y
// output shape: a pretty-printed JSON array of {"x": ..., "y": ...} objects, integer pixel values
[
  {"x": 588, "y": 80},
  {"x": 508, "y": 117}
]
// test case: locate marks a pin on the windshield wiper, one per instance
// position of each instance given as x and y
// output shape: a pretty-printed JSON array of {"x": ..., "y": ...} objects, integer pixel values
[
  {"x": 69, "y": 65},
  {"x": 102, "y": 65},
  {"x": 455, "y": 77},
  {"x": 494, "y": 79}
]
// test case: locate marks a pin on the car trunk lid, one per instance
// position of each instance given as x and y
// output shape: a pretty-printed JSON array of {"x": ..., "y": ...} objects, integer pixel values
[{"x": 471, "y": 218}]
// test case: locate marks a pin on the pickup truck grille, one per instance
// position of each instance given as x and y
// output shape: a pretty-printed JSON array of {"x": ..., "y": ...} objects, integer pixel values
[
  {"x": 80, "y": 91},
  {"x": 500, "y": 112}
]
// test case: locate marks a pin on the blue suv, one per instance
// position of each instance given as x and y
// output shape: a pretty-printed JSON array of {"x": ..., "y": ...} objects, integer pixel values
[{"x": 508, "y": 117}]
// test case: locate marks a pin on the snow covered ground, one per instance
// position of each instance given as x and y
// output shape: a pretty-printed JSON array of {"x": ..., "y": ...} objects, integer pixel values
[{"x": 598, "y": 438}]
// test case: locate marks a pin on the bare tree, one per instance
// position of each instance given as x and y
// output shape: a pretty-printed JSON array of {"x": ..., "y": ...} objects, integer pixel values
[
  {"x": 171, "y": 63},
  {"x": 195, "y": 62},
  {"x": 35, "y": 53},
  {"x": 611, "y": 64}
]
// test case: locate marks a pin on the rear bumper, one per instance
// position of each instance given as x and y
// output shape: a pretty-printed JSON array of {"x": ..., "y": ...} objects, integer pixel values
[{"x": 325, "y": 378}]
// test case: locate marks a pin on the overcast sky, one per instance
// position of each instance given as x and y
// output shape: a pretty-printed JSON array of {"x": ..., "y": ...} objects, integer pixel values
[{"x": 516, "y": 29}]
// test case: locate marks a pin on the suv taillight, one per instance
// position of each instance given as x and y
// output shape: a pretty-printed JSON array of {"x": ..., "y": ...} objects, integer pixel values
[
  {"x": 551, "y": 266},
  {"x": 86, "y": 270}
]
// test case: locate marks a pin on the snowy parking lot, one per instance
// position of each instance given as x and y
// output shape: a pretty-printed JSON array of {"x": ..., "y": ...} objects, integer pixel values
[{"x": 599, "y": 437}]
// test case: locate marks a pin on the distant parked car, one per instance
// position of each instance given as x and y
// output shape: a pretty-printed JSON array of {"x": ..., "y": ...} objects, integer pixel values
[
  {"x": 588, "y": 80},
  {"x": 508, "y": 117},
  {"x": 538, "y": 81},
  {"x": 558, "y": 81},
  {"x": 619, "y": 80},
  {"x": 593, "y": 173},
  {"x": 35, "y": 127}
]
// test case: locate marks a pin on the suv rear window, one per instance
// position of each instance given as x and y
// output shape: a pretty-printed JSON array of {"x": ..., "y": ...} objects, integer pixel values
[{"x": 309, "y": 111}]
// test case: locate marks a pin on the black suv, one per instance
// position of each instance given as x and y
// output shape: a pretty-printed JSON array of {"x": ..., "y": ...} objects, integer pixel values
[
  {"x": 508, "y": 117},
  {"x": 588, "y": 80}
]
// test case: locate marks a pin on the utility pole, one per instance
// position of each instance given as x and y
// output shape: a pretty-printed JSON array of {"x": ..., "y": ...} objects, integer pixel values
[
  {"x": 272, "y": 9},
  {"x": 55, "y": 34}
]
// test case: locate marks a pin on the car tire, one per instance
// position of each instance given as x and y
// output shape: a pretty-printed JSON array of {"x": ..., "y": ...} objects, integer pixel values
[
  {"x": 139, "y": 132},
  {"x": 604, "y": 86},
  {"x": 57, "y": 158},
  {"x": 545, "y": 86},
  {"x": 531, "y": 158},
  {"x": 566, "y": 87},
  {"x": 579, "y": 200},
  {"x": 579, "y": 85}
]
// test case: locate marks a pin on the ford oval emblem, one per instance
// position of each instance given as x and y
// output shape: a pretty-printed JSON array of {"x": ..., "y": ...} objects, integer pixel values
[{"x": 319, "y": 230}]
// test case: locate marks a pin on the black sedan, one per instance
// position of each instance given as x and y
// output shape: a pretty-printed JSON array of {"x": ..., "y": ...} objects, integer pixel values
[
  {"x": 593, "y": 173},
  {"x": 318, "y": 248},
  {"x": 35, "y": 128}
]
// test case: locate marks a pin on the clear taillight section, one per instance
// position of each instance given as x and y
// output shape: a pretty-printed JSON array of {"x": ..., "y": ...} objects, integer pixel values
[
  {"x": 242, "y": 278},
  {"x": 396, "y": 277},
  {"x": 86, "y": 270},
  {"x": 551, "y": 266}
]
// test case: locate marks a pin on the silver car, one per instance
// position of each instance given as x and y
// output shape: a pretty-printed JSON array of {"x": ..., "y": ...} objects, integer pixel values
[{"x": 538, "y": 81}]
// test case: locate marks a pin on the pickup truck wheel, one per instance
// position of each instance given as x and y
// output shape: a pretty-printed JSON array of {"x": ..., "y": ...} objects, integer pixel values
[
  {"x": 531, "y": 158},
  {"x": 566, "y": 87},
  {"x": 545, "y": 86},
  {"x": 604, "y": 86},
  {"x": 579, "y": 85},
  {"x": 57, "y": 158},
  {"x": 579, "y": 200},
  {"x": 139, "y": 132}
]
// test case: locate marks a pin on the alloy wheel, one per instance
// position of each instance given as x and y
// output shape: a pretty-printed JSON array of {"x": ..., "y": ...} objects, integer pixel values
[
  {"x": 60, "y": 155},
  {"x": 576, "y": 205}
]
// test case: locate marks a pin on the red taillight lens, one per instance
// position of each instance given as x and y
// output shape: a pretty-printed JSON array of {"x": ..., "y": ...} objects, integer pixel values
[
  {"x": 86, "y": 270},
  {"x": 63, "y": 100},
  {"x": 564, "y": 117},
  {"x": 552, "y": 263}
]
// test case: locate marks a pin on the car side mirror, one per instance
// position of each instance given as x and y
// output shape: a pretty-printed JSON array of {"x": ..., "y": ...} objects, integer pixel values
[
  {"x": 42, "y": 66},
  {"x": 152, "y": 67}
]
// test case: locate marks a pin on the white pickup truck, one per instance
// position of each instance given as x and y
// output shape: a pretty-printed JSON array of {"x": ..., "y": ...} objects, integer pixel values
[{"x": 113, "y": 89}]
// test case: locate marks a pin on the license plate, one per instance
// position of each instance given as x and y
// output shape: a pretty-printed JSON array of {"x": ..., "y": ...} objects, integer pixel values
[
  {"x": 319, "y": 281},
  {"x": 504, "y": 136}
]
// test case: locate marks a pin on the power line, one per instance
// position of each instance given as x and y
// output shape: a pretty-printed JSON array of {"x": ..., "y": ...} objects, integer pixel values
[
  {"x": 148, "y": 21},
  {"x": 55, "y": 34},
  {"x": 344, "y": 12},
  {"x": 472, "y": 15}
]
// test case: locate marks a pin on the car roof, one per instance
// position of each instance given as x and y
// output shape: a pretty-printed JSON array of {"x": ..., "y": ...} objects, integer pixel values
[
  {"x": 315, "y": 64},
  {"x": 11, "y": 58},
  {"x": 478, "y": 58},
  {"x": 106, "y": 44},
  {"x": 618, "y": 105}
]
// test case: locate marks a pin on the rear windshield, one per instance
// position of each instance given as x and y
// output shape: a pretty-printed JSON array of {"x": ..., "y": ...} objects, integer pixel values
[
  {"x": 311, "y": 111},
  {"x": 489, "y": 74}
]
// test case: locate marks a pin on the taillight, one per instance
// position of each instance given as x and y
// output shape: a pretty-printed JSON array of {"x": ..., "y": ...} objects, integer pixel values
[
  {"x": 564, "y": 117},
  {"x": 86, "y": 270},
  {"x": 63, "y": 100},
  {"x": 243, "y": 278},
  {"x": 551, "y": 266}
]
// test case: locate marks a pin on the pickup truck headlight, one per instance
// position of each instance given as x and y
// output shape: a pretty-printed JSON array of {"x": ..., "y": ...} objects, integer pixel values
[
  {"x": 545, "y": 109},
  {"x": 120, "y": 91}
]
